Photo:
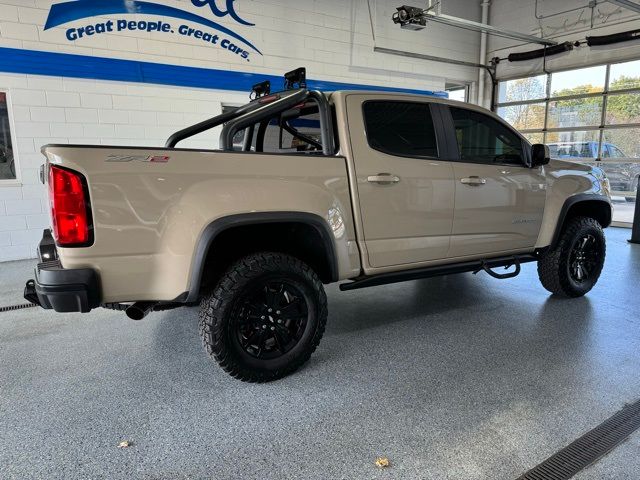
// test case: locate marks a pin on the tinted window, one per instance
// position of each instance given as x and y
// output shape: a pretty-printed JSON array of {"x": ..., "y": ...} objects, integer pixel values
[
  {"x": 401, "y": 128},
  {"x": 484, "y": 139}
]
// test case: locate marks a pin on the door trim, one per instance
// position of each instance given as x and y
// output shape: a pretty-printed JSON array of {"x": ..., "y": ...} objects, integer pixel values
[{"x": 446, "y": 129}]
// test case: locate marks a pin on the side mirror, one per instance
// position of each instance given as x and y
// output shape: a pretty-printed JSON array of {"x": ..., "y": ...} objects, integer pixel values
[{"x": 540, "y": 155}]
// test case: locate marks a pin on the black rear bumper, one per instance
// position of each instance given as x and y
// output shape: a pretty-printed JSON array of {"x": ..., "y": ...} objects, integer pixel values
[{"x": 60, "y": 289}]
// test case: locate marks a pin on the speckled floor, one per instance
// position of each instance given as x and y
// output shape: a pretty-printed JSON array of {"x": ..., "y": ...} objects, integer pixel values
[{"x": 460, "y": 377}]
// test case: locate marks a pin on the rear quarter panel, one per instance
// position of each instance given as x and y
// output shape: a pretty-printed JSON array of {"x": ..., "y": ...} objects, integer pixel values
[{"x": 148, "y": 216}]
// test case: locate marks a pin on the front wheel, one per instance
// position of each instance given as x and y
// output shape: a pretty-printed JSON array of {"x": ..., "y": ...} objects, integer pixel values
[
  {"x": 573, "y": 266},
  {"x": 265, "y": 317}
]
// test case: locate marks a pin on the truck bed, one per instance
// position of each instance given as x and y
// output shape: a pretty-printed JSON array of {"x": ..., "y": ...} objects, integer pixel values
[{"x": 151, "y": 205}]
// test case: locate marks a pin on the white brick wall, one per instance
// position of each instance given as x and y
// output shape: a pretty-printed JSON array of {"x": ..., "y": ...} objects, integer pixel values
[
  {"x": 129, "y": 118},
  {"x": 332, "y": 38}
]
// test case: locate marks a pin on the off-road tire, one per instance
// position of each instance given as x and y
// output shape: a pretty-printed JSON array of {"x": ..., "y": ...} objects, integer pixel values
[
  {"x": 217, "y": 309},
  {"x": 554, "y": 264}
]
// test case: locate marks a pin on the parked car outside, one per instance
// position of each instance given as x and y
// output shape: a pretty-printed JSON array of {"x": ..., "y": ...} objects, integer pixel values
[{"x": 622, "y": 173}]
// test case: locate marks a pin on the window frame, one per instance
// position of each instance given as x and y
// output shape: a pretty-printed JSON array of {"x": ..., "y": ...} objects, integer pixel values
[
  {"x": 12, "y": 182},
  {"x": 441, "y": 146},
  {"x": 603, "y": 125},
  {"x": 526, "y": 146}
]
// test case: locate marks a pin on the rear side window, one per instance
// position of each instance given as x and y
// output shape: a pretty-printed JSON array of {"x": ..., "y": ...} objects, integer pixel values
[
  {"x": 482, "y": 139},
  {"x": 400, "y": 128}
]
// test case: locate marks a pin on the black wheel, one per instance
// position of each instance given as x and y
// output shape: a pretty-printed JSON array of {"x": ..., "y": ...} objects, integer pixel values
[
  {"x": 573, "y": 267},
  {"x": 264, "y": 318}
]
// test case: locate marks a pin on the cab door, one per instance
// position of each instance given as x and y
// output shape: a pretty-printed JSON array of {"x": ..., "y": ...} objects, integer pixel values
[
  {"x": 499, "y": 200},
  {"x": 404, "y": 187}
]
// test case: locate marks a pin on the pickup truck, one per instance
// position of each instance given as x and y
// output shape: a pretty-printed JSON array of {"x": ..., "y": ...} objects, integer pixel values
[{"x": 309, "y": 188}]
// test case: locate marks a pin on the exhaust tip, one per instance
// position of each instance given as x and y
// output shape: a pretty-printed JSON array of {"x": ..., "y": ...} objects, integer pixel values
[{"x": 139, "y": 311}]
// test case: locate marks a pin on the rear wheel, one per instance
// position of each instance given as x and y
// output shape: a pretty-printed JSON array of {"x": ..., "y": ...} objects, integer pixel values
[
  {"x": 265, "y": 317},
  {"x": 573, "y": 267}
]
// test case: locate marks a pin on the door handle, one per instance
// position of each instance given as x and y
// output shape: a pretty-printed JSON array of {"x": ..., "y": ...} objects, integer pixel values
[
  {"x": 383, "y": 179},
  {"x": 473, "y": 181}
]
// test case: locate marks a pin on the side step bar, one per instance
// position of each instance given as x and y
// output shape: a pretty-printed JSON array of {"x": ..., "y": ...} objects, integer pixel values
[{"x": 439, "y": 270}]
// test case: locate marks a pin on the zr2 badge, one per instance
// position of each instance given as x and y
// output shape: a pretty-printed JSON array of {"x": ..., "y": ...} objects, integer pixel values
[{"x": 138, "y": 158}]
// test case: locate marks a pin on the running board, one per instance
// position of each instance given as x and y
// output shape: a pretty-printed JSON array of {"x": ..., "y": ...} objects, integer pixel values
[{"x": 439, "y": 270}]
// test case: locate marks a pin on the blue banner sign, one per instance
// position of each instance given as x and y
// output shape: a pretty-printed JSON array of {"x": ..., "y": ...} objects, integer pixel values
[{"x": 63, "y": 13}]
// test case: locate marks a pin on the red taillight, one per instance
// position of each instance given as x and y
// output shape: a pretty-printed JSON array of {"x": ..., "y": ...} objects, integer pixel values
[{"x": 69, "y": 208}]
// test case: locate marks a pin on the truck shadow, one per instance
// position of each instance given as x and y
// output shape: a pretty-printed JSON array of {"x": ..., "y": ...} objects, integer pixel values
[
  {"x": 461, "y": 305},
  {"x": 383, "y": 305},
  {"x": 358, "y": 310}
]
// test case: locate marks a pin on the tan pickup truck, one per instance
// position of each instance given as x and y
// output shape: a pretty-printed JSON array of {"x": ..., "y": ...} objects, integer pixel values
[{"x": 307, "y": 189}]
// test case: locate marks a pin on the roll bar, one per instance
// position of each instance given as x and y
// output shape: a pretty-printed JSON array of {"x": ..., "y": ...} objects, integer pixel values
[
  {"x": 255, "y": 106},
  {"x": 259, "y": 110},
  {"x": 185, "y": 133},
  {"x": 302, "y": 95}
]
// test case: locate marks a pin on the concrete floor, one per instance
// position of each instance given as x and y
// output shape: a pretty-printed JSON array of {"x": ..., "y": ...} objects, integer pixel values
[{"x": 459, "y": 377}]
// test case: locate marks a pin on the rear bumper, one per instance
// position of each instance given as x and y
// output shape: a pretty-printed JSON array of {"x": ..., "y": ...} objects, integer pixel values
[{"x": 60, "y": 289}]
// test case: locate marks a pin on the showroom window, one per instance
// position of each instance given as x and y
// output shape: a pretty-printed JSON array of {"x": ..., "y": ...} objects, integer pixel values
[
  {"x": 8, "y": 168},
  {"x": 588, "y": 115},
  {"x": 401, "y": 128}
]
